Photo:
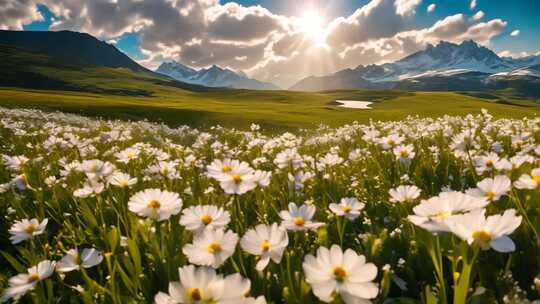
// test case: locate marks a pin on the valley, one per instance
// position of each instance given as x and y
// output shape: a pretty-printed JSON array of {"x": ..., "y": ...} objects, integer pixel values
[{"x": 91, "y": 84}]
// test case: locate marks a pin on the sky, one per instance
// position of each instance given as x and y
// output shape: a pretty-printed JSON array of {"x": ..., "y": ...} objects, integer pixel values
[{"x": 283, "y": 41}]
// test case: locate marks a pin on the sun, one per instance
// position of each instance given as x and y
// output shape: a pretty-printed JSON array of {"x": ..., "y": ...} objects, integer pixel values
[{"x": 312, "y": 25}]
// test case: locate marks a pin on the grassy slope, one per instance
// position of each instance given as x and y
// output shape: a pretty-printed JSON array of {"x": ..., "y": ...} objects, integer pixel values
[
  {"x": 121, "y": 93},
  {"x": 279, "y": 110}
]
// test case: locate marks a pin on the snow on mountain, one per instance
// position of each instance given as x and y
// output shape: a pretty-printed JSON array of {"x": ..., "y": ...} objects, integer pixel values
[
  {"x": 446, "y": 59},
  {"x": 443, "y": 58},
  {"x": 212, "y": 77}
]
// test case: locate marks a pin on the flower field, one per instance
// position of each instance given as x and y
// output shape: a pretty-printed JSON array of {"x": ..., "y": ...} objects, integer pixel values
[{"x": 424, "y": 210}]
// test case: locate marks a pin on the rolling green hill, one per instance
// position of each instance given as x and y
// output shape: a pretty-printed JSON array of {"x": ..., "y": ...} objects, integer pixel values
[
  {"x": 32, "y": 79},
  {"x": 71, "y": 47}
]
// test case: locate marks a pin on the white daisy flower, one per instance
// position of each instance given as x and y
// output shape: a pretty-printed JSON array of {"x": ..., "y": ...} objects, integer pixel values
[
  {"x": 334, "y": 272},
  {"x": 267, "y": 242},
  {"x": 220, "y": 167},
  {"x": 89, "y": 257},
  {"x": 431, "y": 214},
  {"x": 262, "y": 178},
  {"x": 529, "y": 181},
  {"x": 15, "y": 163},
  {"x": 486, "y": 163},
  {"x": 238, "y": 180},
  {"x": 404, "y": 153},
  {"x": 127, "y": 155},
  {"x": 299, "y": 218},
  {"x": 199, "y": 285},
  {"x": 404, "y": 194},
  {"x": 211, "y": 247},
  {"x": 289, "y": 157},
  {"x": 20, "y": 284},
  {"x": 490, "y": 232},
  {"x": 390, "y": 141},
  {"x": 96, "y": 169},
  {"x": 90, "y": 188},
  {"x": 348, "y": 207},
  {"x": 25, "y": 229},
  {"x": 492, "y": 188},
  {"x": 155, "y": 204},
  {"x": 197, "y": 218},
  {"x": 122, "y": 180}
]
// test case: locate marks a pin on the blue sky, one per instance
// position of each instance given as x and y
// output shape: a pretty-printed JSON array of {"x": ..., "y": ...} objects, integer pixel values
[{"x": 280, "y": 44}]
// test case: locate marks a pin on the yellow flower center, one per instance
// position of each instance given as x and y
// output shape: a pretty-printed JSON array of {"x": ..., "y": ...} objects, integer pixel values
[
  {"x": 226, "y": 168},
  {"x": 490, "y": 194},
  {"x": 339, "y": 273},
  {"x": 536, "y": 178},
  {"x": 482, "y": 236},
  {"x": 214, "y": 247},
  {"x": 404, "y": 153},
  {"x": 33, "y": 277},
  {"x": 443, "y": 214},
  {"x": 124, "y": 183},
  {"x": 391, "y": 142},
  {"x": 265, "y": 247},
  {"x": 489, "y": 163},
  {"x": 30, "y": 229},
  {"x": 194, "y": 294},
  {"x": 299, "y": 221},
  {"x": 237, "y": 178},
  {"x": 346, "y": 208},
  {"x": 206, "y": 219},
  {"x": 154, "y": 204},
  {"x": 93, "y": 168},
  {"x": 130, "y": 155}
]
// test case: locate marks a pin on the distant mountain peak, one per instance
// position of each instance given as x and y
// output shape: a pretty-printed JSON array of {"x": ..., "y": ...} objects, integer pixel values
[
  {"x": 213, "y": 76},
  {"x": 445, "y": 59}
]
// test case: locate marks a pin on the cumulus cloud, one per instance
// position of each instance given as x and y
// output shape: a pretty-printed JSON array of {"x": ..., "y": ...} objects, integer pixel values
[
  {"x": 456, "y": 28},
  {"x": 431, "y": 8},
  {"x": 507, "y": 53},
  {"x": 16, "y": 13},
  {"x": 406, "y": 7},
  {"x": 252, "y": 39},
  {"x": 515, "y": 33},
  {"x": 378, "y": 18},
  {"x": 479, "y": 15}
]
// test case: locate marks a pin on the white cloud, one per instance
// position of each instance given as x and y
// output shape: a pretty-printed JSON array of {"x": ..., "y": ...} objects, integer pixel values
[
  {"x": 16, "y": 13},
  {"x": 479, "y": 15},
  {"x": 472, "y": 4},
  {"x": 378, "y": 18},
  {"x": 406, "y": 7},
  {"x": 268, "y": 46},
  {"x": 515, "y": 33},
  {"x": 507, "y": 53},
  {"x": 431, "y": 8}
]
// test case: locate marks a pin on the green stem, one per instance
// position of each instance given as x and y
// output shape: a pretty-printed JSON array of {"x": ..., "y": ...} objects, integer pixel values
[
  {"x": 462, "y": 288},
  {"x": 524, "y": 214},
  {"x": 436, "y": 258}
]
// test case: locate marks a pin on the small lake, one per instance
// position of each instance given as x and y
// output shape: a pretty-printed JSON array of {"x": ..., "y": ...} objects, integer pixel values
[{"x": 354, "y": 104}]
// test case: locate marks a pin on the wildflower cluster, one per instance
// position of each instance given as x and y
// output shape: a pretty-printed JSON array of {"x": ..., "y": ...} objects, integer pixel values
[{"x": 123, "y": 212}]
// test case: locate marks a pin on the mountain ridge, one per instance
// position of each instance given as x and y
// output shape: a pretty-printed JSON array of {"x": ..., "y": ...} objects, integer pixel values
[
  {"x": 213, "y": 76},
  {"x": 72, "y": 48},
  {"x": 446, "y": 60}
]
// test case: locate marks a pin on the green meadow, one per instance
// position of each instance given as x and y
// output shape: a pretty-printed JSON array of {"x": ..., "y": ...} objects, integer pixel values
[
  {"x": 37, "y": 81},
  {"x": 280, "y": 110}
]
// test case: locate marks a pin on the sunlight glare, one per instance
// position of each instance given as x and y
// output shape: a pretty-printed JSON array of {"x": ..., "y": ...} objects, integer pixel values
[{"x": 312, "y": 25}]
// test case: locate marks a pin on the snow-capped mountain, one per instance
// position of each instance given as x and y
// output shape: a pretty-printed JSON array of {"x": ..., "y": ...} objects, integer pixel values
[
  {"x": 467, "y": 60},
  {"x": 212, "y": 77}
]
